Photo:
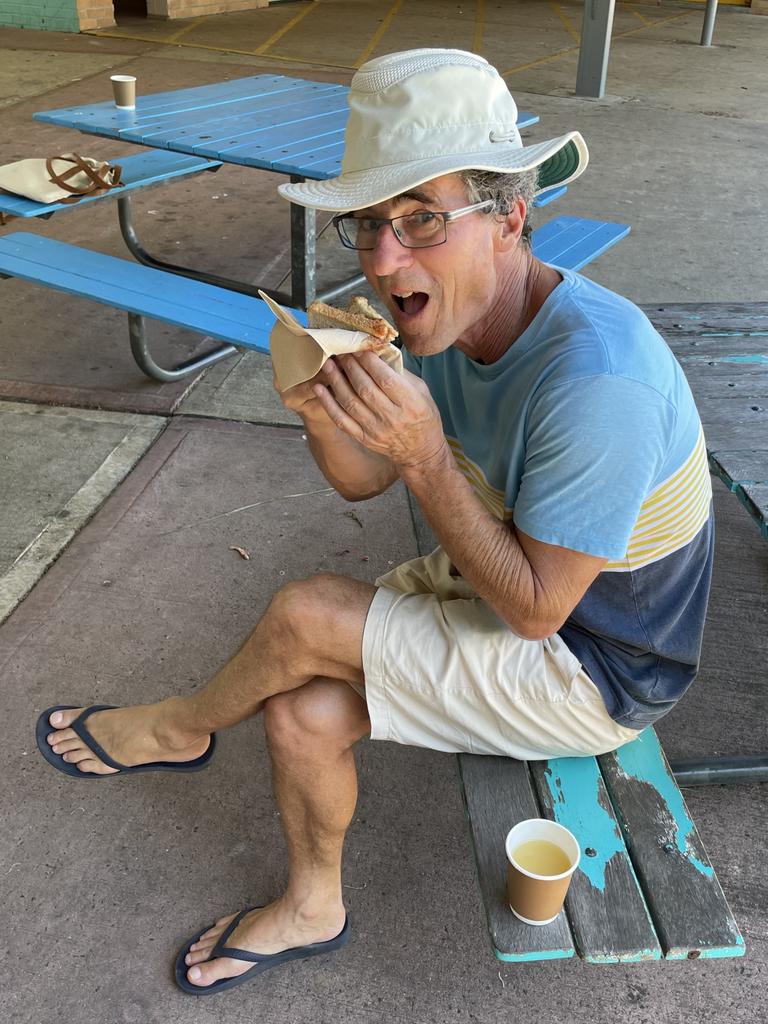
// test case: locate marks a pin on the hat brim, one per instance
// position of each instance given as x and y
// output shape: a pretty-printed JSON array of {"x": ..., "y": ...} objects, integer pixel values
[{"x": 558, "y": 160}]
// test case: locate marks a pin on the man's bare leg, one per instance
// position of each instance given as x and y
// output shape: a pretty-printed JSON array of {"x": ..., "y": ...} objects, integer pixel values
[
  {"x": 312, "y": 628},
  {"x": 311, "y": 731}
]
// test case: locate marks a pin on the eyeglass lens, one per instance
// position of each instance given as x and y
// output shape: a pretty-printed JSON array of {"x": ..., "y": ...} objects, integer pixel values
[{"x": 413, "y": 230}]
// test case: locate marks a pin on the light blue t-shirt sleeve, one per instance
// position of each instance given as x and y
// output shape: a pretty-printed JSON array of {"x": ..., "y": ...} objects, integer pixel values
[{"x": 595, "y": 449}]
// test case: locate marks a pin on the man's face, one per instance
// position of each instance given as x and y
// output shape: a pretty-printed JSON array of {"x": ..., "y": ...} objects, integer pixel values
[{"x": 440, "y": 294}]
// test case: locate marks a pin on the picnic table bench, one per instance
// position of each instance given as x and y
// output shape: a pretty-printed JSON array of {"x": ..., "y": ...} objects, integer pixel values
[
  {"x": 645, "y": 888},
  {"x": 239, "y": 320}
]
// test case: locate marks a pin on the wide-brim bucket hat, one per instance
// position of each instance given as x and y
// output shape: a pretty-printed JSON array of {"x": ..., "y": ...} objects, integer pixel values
[{"x": 418, "y": 114}]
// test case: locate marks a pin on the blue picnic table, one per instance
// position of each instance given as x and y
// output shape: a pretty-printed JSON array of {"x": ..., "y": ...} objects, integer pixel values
[
  {"x": 272, "y": 122},
  {"x": 290, "y": 126}
]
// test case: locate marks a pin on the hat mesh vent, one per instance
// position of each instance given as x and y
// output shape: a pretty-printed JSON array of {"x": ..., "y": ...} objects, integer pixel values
[{"x": 381, "y": 78}]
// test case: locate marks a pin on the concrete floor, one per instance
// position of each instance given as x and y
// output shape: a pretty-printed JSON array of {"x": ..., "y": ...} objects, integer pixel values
[{"x": 148, "y": 598}]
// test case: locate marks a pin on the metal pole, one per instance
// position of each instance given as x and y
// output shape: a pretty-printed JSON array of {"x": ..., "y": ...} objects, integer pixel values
[
  {"x": 720, "y": 771},
  {"x": 303, "y": 253},
  {"x": 595, "y": 45},
  {"x": 709, "y": 23}
]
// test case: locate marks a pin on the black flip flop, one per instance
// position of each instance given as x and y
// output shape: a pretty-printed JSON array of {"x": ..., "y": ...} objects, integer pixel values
[
  {"x": 261, "y": 961},
  {"x": 44, "y": 727}
]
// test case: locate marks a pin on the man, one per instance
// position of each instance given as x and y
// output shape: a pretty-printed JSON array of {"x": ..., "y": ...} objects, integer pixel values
[{"x": 553, "y": 445}]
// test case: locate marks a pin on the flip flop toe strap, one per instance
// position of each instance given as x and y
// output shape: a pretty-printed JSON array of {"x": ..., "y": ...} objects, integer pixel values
[
  {"x": 78, "y": 726},
  {"x": 220, "y": 949}
]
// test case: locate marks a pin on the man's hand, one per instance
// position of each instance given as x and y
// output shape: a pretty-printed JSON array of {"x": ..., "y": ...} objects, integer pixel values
[
  {"x": 388, "y": 413},
  {"x": 301, "y": 398}
]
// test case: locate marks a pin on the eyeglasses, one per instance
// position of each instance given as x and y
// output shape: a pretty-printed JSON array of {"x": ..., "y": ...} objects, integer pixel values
[{"x": 418, "y": 230}]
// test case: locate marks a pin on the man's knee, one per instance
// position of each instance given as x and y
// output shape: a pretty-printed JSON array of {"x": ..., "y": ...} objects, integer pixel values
[
  {"x": 305, "y": 613},
  {"x": 324, "y": 715}
]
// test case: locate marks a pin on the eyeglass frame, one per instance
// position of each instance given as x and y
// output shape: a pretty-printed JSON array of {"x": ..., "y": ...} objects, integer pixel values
[{"x": 446, "y": 215}]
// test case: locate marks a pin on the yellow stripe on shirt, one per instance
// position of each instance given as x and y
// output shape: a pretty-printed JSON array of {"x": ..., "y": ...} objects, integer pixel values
[{"x": 672, "y": 514}]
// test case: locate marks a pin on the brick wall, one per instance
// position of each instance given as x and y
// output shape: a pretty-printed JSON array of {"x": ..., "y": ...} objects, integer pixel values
[
  {"x": 86, "y": 15},
  {"x": 94, "y": 14},
  {"x": 198, "y": 8}
]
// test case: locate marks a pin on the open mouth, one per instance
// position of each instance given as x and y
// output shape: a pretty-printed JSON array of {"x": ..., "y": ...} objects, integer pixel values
[{"x": 411, "y": 303}]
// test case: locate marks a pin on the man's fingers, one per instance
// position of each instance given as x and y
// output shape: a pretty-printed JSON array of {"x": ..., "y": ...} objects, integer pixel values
[
  {"x": 336, "y": 413},
  {"x": 354, "y": 390},
  {"x": 380, "y": 372}
]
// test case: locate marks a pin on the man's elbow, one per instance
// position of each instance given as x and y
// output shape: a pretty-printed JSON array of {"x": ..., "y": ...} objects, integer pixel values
[
  {"x": 362, "y": 493},
  {"x": 535, "y": 629},
  {"x": 350, "y": 495},
  {"x": 363, "y": 490}
]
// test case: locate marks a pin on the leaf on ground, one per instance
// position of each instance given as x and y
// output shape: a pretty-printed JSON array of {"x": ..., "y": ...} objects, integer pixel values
[
  {"x": 241, "y": 551},
  {"x": 355, "y": 517}
]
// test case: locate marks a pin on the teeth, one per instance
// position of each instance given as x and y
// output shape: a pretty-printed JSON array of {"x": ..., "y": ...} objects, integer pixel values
[{"x": 403, "y": 295}]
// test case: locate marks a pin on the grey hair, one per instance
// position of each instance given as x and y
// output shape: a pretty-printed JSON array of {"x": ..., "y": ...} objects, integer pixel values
[{"x": 504, "y": 190}]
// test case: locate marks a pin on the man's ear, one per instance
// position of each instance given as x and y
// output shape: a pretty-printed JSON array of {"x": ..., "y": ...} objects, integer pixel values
[{"x": 511, "y": 227}]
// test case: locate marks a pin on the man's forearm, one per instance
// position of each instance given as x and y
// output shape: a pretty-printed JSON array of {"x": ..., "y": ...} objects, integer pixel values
[
  {"x": 483, "y": 549},
  {"x": 355, "y": 472}
]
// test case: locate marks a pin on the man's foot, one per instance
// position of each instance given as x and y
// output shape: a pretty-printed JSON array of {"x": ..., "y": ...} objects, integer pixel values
[
  {"x": 132, "y": 736},
  {"x": 267, "y": 930}
]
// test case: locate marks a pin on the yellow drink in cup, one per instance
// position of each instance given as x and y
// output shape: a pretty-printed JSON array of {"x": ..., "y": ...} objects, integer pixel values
[{"x": 541, "y": 859}]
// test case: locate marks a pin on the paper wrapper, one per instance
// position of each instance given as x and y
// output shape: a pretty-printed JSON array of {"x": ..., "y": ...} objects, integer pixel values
[{"x": 299, "y": 353}]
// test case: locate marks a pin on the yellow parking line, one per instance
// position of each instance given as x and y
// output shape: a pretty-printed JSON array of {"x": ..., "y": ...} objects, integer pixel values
[
  {"x": 575, "y": 49},
  {"x": 541, "y": 60},
  {"x": 187, "y": 28},
  {"x": 385, "y": 22},
  {"x": 477, "y": 40},
  {"x": 565, "y": 19},
  {"x": 220, "y": 49},
  {"x": 319, "y": 62},
  {"x": 287, "y": 27}
]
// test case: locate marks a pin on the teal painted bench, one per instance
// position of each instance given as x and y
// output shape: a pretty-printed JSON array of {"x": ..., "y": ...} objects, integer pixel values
[
  {"x": 238, "y": 319},
  {"x": 645, "y": 888}
]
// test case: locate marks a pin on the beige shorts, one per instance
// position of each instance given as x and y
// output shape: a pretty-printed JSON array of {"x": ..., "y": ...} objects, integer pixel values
[{"x": 443, "y": 671}]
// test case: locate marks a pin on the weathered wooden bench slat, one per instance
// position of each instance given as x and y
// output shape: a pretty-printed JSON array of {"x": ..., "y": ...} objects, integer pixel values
[
  {"x": 606, "y": 909},
  {"x": 754, "y": 497},
  {"x": 740, "y": 467},
  {"x": 498, "y": 794},
  {"x": 708, "y": 317},
  {"x": 689, "y": 910}
]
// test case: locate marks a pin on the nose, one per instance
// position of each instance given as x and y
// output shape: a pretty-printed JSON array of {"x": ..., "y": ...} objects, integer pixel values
[{"x": 389, "y": 255}]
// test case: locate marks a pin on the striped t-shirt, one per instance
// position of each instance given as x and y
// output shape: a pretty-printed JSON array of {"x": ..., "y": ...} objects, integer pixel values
[{"x": 585, "y": 434}]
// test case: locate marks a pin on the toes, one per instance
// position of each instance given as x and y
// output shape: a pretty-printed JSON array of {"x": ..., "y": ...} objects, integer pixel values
[
  {"x": 63, "y": 719},
  {"x": 214, "y": 970},
  {"x": 196, "y": 956},
  {"x": 87, "y": 764},
  {"x": 62, "y": 736},
  {"x": 215, "y": 930},
  {"x": 65, "y": 746}
]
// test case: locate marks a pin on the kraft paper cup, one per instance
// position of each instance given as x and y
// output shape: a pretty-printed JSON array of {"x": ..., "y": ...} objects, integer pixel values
[
  {"x": 124, "y": 89},
  {"x": 537, "y": 898}
]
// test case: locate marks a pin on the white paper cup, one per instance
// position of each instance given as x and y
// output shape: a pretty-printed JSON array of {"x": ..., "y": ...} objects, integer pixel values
[
  {"x": 537, "y": 898},
  {"x": 124, "y": 90}
]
